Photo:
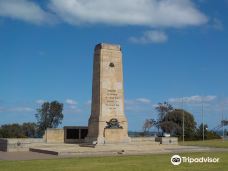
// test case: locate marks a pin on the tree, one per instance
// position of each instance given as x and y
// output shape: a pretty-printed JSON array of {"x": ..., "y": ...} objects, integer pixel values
[
  {"x": 170, "y": 127},
  {"x": 173, "y": 123},
  {"x": 199, "y": 132},
  {"x": 11, "y": 131},
  {"x": 148, "y": 124},
  {"x": 208, "y": 134},
  {"x": 26, "y": 130},
  {"x": 29, "y": 129},
  {"x": 162, "y": 109},
  {"x": 49, "y": 115}
]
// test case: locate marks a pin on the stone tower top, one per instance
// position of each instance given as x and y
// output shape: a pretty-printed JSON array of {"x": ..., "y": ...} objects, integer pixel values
[{"x": 107, "y": 46}]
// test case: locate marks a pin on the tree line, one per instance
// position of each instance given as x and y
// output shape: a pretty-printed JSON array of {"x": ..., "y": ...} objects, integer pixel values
[
  {"x": 170, "y": 121},
  {"x": 49, "y": 115}
]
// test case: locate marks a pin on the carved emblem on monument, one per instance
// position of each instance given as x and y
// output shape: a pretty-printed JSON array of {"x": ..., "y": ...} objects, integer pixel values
[{"x": 113, "y": 124}]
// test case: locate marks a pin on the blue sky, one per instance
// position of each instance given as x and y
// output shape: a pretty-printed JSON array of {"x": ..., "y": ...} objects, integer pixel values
[{"x": 171, "y": 49}]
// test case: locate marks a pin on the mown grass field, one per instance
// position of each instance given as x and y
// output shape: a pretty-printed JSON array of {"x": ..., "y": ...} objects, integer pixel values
[
  {"x": 207, "y": 143},
  {"x": 157, "y": 162}
]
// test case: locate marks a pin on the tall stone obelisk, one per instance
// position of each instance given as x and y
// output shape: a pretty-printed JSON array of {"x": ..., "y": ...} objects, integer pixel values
[{"x": 107, "y": 123}]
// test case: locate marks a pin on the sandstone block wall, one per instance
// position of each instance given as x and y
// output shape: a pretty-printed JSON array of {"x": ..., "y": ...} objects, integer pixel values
[
  {"x": 55, "y": 135},
  {"x": 18, "y": 144}
]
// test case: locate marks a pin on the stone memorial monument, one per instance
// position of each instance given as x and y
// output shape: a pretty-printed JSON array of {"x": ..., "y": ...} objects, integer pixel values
[{"x": 107, "y": 123}]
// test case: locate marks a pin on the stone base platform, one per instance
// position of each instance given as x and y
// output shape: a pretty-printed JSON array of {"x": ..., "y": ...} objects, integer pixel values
[
  {"x": 107, "y": 149},
  {"x": 112, "y": 150},
  {"x": 138, "y": 145}
]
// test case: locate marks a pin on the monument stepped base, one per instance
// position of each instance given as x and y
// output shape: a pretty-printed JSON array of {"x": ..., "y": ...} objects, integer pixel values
[
  {"x": 131, "y": 141},
  {"x": 114, "y": 150},
  {"x": 107, "y": 149},
  {"x": 136, "y": 146}
]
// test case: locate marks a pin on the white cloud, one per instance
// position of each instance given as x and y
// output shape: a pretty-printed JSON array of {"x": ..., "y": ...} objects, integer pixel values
[
  {"x": 138, "y": 105},
  {"x": 143, "y": 100},
  {"x": 25, "y": 10},
  {"x": 40, "y": 101},
  {"x": 152, "y": 36},
  {"x": 193, "y": 99},
  {"x": 17, "y": 109},
  {"x": 137, "y": 101},
  {"x": 152, "y": 13},
  {"x": 155, "y": 105},
  {"x": 71, "y": 106},
  {"x": 72, "y": 109},
  {"x": 71, "y": 102},
  {"x": 20, "y": 109}
]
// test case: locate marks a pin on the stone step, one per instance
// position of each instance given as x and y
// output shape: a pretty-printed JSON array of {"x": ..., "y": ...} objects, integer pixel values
[
  {"x": 142, "y": 139},
  {"x": 44, "y": 151},
  {"x": 87, "y": 145},
  {"x": 99, "y": 152},
  {"x": 145, "y": 143}
]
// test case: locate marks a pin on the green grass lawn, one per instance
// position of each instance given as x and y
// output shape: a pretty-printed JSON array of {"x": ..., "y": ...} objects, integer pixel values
[
  {"x": 207, "y": 143},
  {"x": 155, "y": 162}
]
